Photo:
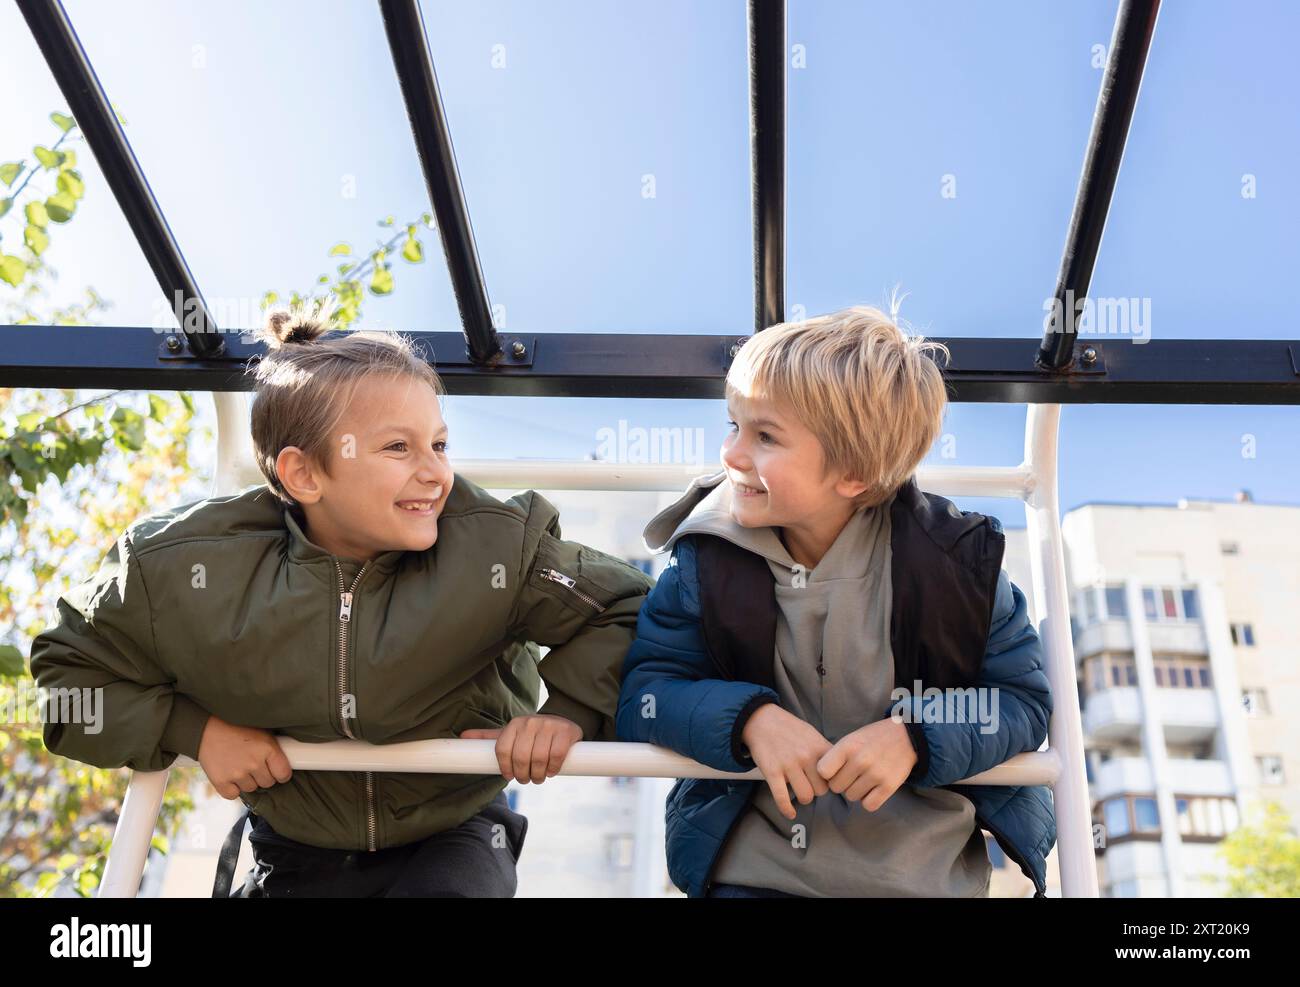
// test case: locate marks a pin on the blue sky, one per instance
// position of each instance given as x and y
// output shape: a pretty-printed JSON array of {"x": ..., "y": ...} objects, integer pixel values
[{"x": 271, "y": 131}]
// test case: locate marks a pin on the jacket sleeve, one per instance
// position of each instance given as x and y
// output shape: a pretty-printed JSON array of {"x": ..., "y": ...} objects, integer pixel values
[
  {"x": 582, "y": 605},
  {"x": 1012, "y": 687},
  {"x": 107, "y": 699},
  {"x": 671, "y": 695}
]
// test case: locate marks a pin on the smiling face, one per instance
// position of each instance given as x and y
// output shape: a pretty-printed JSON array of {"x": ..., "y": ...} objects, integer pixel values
[
  {"x": 389, "y": 475},
  {"x": 778, "y": 476}
]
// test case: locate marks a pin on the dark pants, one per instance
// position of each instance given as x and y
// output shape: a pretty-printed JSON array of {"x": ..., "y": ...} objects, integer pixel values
[
  {"x": 742, "y": 891},
  {"x": 473, "y": 860}
]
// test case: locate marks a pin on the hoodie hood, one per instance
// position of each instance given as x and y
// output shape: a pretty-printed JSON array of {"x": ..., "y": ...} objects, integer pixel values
[{"x": 705, "y": 508}]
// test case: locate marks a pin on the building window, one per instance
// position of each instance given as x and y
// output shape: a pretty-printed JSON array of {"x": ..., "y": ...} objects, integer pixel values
[
  {"x": 1149, "y": 603},
  {"x": 1243, "y": 634},
  {"x": 1230, "y": 818},
  {"x": 1255, "y": 702},
  {"x": 1144, "y": 811},
  {"x": 1117, "y": 823},
  {"x": 1181, "y": 673},
  {"x": 1270, "y": 769},
  {"x": 1114, "y": 674},
  {"x": 1229, "y": 547},
  {"x": 1206, "y": 816},
  {"x": 1131, "y": 674},
  {"x": 1089, "y": 606},
  {"x": 1191, "y": 609},
  {"x": 1116, "y": 603},
  {"x": 1171, "y": 606}
]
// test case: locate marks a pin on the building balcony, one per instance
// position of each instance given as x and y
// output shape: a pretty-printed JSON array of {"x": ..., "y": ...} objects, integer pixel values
[
  {"x": 1111, "y": 715},
  {"x": 1184, "y": 776},
  {"x": 1173, "y": 637},
  {"x": 1115, "y": 714},
  {"x": 1189, "y": 715},
  {"x": 1137, "y": 860}
]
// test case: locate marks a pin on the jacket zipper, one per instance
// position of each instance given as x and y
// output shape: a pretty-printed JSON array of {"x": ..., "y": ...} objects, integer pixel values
[
  {"x": 717, "y": 854},
  {"x": 1010, "y": 849},
  {"x": 345, "y": 618},
  {"x": 559, "y": 577}
]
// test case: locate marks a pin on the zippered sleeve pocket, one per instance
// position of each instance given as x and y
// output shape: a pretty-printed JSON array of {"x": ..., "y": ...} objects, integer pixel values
[{"x": 575, "y": 575}]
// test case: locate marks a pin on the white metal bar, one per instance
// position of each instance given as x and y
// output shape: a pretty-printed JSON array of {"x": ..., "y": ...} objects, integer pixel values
[
  {"x": 589, "y": 759},
  {"x": 1065, "y": 732},
  {"x": 133, "y": 835},
  {"x": 541, "y": 474}
]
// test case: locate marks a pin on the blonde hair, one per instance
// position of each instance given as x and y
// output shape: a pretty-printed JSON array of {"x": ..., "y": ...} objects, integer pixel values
[
  {"x": 869, "y": 391},
  {"x": 305, "y": 382}
]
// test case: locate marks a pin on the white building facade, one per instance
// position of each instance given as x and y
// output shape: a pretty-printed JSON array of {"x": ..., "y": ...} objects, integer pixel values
[{"x": 1186, "y": 648}]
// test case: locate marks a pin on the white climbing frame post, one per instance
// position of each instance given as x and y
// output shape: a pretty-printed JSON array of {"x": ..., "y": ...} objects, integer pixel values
[{"x": 1072, "y": 804}]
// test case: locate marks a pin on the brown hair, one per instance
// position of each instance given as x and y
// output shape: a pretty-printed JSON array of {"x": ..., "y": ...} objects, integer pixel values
[
  {"x": 871, "y": 393},
  {"x": 305, "y": 381}
]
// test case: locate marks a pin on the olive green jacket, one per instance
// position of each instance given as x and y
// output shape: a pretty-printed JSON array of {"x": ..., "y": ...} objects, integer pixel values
[{"x": 225, "y": 607}]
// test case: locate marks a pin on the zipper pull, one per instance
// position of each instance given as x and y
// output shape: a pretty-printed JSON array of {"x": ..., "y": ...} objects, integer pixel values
[
  {"x": 345, "y": 607},
  {"x": 559, "y": 577}
]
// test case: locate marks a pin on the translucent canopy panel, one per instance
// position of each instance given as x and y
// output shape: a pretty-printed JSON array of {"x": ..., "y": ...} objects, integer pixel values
[
  {"x": 604, "y": 150},
  {"x": 1201, "y": 241},
  {"x": 93, "y": 250},
  {"x": 270, "y": 133},
  {"x": 937, "y": 147}
]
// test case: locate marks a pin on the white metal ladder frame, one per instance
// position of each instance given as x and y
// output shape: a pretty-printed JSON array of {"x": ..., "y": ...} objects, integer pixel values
[{"x": 1034, "y": 481}]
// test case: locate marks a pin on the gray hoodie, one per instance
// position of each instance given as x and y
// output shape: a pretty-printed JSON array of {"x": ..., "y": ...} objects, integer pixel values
[{"x": 835, "y": 670}]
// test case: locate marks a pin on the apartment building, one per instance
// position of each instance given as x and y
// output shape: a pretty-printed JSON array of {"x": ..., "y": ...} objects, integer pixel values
[{"x": 1186, "y": 646}]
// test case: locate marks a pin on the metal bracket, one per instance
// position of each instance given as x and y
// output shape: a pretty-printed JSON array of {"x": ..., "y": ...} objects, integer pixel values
[
  {"x": 729, "y": 350},
  {"x": 516, "y": 352},
  {"x": 173, "y": 348},
  {"x": 1089, "y": 359}
]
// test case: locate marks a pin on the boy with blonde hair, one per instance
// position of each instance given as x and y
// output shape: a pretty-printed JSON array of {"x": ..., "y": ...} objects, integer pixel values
[{"x": 853, "y": 637}]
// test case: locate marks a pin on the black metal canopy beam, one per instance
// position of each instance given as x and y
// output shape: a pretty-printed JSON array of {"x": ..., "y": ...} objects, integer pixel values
[
  {"x": 1130, "y": 42},
  {"x": 767, "y": 59},
  {"x": 404, "y": 26},
  {"x": 94, "y": 115},
  {"x": 1158, "y": 371}
]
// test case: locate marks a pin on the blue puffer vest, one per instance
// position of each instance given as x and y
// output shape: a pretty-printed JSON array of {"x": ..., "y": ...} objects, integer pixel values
[{"x": 705, "y": 653}]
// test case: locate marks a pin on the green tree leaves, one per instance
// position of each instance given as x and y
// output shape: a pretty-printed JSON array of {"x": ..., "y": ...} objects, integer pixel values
[{"x": 59, "y": 207}]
